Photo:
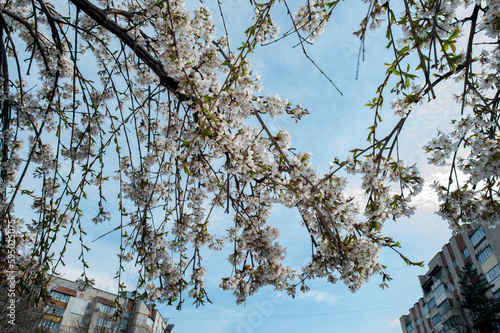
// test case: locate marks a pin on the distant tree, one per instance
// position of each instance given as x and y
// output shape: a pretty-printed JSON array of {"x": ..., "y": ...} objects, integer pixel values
[
  {"x": 18, "y": 312},
  {"x": 484, "y": 309},
  {"x": 138, "y": 117}
]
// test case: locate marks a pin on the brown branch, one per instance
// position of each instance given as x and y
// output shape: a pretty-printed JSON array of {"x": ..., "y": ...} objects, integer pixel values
[
  {"x": 419, "y": 51},
  {"x": 53, "y": 28},
  {"x": 101, "y": 18},
  {"x": 33, "y": 33},
  {"x": 469, "y": 53},
  {"x": 301, "y": 41}
]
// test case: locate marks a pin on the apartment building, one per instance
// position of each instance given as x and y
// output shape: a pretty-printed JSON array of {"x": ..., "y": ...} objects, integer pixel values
[
  {"x": 438, "y": 311},
  {"x": 91, "y": 310}
]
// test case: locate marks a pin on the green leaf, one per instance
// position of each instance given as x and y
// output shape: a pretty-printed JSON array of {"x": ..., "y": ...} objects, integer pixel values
[
  {"x": 186, "y": 170},
  {"x": 453, "y": 66},
  {"x": 206, "y": 132},
  {"x": 354, "y": 151},
  {"x": 454, "y": 34}
]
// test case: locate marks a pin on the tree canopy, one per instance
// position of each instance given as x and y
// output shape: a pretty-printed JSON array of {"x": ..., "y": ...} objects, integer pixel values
[
  {"x": 484, "y": 309},
  {"x": 148, "y": 102}
]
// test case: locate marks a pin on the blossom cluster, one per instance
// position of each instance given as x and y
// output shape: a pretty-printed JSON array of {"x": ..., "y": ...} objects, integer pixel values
[
  {"x": 170, "y": 121},
  {"x": 475, "y": 199},
  {"x": 446, "y": 45},
  {"x": 312, "y": 19}
]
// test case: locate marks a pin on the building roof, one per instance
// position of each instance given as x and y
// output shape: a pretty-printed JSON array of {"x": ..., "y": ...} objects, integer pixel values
[
  {"x": 65, "y": 290},
  {"x": 105, "y": 301}
]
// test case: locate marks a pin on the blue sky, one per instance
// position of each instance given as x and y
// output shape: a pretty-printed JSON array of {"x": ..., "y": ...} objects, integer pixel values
[{"x": 336, "y": 125}]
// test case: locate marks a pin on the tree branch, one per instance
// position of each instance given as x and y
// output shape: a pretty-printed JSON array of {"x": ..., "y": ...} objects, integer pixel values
[{"x": 101, "y": 18}]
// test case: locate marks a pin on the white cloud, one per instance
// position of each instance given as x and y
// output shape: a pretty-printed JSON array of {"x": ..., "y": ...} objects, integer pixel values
[
  {"x": 394, "y": 323},
  {"x": 320, "y": 297},
  {"x": 427, "y": 199}
]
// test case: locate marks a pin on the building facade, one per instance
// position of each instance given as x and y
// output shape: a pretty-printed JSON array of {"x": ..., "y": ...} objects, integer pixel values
[
  {"x": 438, "y": 311},
  {"x": 91, "y": 310}
]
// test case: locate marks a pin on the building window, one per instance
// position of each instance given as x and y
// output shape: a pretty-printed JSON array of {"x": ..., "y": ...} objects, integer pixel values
[
  {"x": 103, "y": 322},
  {"x": 455, "y": 262},
  {"x": 124, "y": 324},
  {"x": 439, "y": 290},
  {"x": 493, "y": 273},
  {"x": 49, "y": 325},
  {"x": 107, "y": 309},
  {"x": 477, "y": 236},
  {"x": 409, "y": 327},
  {"x": 56, "y": 310},
  {"x": 60, "y": 296},
  {"x": 425, "y": 308},
  {"x": 436, "y": 319},
  {"x": 431, "y": 304},
  {"x": 465, "y": 253},
  {"x": 485, "y": 254},
  {"x": 497, "y": 293},
  {"x": 443, "y": 307}
]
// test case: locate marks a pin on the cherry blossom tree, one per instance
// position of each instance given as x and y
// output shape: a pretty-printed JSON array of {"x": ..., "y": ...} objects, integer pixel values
[{"x": 149, "y": 99}]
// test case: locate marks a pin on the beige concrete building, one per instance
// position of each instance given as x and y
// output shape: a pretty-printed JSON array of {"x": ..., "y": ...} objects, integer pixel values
[
  {"x": 438, "y": 311},
  {"x": 91, "y": 310}
]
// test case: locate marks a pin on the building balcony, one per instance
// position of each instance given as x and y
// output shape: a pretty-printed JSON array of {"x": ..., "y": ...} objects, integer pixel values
[
  {"x": 434, "y": 311},
  {"x": 445, "y": 295},
  {"x": 62, "y": 304},
  {"x": 102, "y": 329},
  {"x": 52, "y": 317}
]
